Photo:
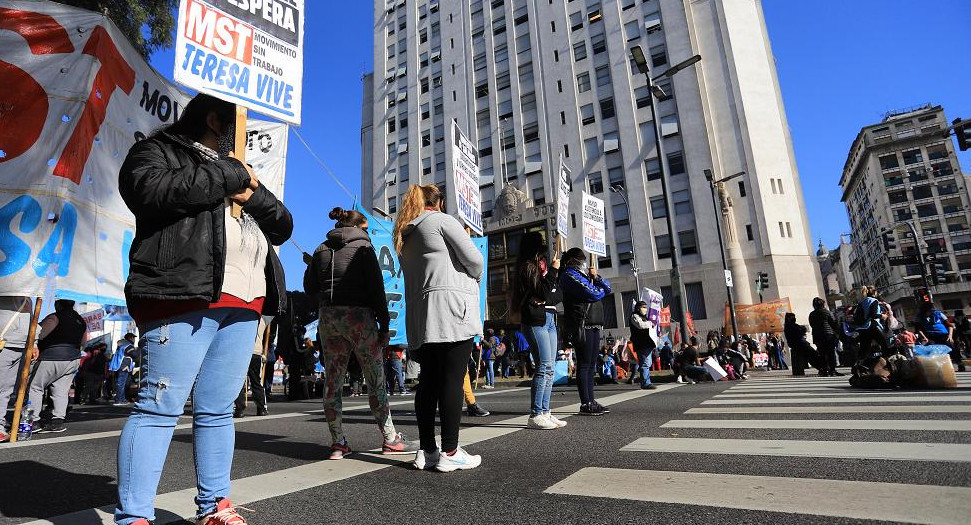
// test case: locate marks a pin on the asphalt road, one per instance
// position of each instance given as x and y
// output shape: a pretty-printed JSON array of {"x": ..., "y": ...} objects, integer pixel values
[{"x": 673, "y": 455}]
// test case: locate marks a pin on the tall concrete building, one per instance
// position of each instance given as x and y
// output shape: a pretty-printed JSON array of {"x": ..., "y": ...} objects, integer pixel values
[
  {"x": 533, "y": 82},
  {"x": 902, "y": 169}
]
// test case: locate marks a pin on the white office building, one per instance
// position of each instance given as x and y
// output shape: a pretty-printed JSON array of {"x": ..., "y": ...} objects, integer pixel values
[{"x": 534, "y": 81}]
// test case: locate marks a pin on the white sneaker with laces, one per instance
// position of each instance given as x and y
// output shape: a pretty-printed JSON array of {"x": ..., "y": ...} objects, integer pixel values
[
  {"x": 556, "y": 421},
  {"x": 426, "y": 461},
  {"x": 541, "y": 422},
  {"x": 681, "y": 380},
  {"x": 461, "y": 460}
]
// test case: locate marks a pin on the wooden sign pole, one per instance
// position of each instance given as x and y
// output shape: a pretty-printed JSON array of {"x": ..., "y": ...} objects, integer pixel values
[
  {"x": 25, "y": 371},
  {"x": 239, "y": 150}
]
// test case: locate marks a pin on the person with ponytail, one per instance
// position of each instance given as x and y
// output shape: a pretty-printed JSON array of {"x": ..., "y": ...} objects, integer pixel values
[
  {"x": 442, "y": 271},
  {"x": 345, "y": 278},
  {"x": 583, "y": 292},
  {"x": 535, "y": 296}
]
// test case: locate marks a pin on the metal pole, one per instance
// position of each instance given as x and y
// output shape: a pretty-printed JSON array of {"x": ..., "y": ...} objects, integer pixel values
[
  {"x": 677, "y": 287},
  {"x": 633, "y": 245},
  {"x": 920, "y": 259},
  {"x": 721, "y": 246}
]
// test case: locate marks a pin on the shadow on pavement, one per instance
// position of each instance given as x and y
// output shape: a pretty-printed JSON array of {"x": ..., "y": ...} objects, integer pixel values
[{"x": 35, "y": 490}]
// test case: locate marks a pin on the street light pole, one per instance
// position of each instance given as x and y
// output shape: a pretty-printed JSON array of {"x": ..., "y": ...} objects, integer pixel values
[
  {"x": 721, "y": 244},
  {"x": 619, "y": 190},
  {"x": 677, "y": 286}
]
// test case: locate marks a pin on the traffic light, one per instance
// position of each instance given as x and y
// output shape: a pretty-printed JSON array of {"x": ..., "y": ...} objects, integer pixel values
[
  {"x": 763, "y": 281},
  {"x": 962, "y": 134},
  {"x": 889, "y": 241},
  {"x": 937, "y": 273},
  {"x": 922, "y": 295}
]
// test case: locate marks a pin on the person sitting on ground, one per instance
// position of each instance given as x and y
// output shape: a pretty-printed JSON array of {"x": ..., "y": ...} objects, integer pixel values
[
  {"x": 736, "y": 358},
  {"x": 691, "y": 369},
  {"x": 608, "y": 365},
  {"x": 934, "y": 326}
]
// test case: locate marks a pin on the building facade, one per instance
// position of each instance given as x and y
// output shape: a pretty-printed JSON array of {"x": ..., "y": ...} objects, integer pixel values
[
  {"x": 834, "y": 267},
  {"x": 532, "y": 82},
  {"x": 905, "y": 169}
]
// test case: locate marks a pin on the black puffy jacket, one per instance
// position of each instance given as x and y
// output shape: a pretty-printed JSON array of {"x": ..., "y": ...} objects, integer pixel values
[
  {"x": 345, "y": 272},
  {"x": 178, "y": 199}
]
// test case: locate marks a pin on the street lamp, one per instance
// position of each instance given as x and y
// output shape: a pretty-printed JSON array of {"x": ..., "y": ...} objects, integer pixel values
[
  {"x": 656, "y": 93},
  {"x": 619, "y": 190},
  {"x": 721, "y": 243}
]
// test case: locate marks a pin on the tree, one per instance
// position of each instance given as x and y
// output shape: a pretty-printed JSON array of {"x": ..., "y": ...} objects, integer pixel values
[{"x": 148, "y": 24}]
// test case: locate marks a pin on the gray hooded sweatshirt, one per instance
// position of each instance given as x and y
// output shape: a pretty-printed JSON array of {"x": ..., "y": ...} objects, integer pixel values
[{"x": 442, "y": 270}]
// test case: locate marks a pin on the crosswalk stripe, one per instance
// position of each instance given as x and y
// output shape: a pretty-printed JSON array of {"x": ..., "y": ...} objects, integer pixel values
[
  {"x": 752, "y": 395},
  {"x": 825, "y": 424},
  {"x": 843, "y": 409},
  {"x": 894, "y": 502},
  {"x": 856, "y": 398},
  {"x": 173, "y": 505},
  {"x": 950, "y": 452}
]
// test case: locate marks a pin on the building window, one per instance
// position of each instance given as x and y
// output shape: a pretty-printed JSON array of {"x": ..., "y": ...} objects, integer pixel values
[
  {"x": 610, "y": 307},
  {"x": 598, "y": 43},
  {"x": 605, "y": 262},
  {"x": 633, "y": 30},
  {"x": 913, "y": 156},
  {"x": 392, "y": 123},
  {"x": 682, "y": 202},
  {"x": 663, "y": 245},
  {"x": 659, "y": 57},
  {"x": 592, "y": 148},
  {"x": 658, "y": 208},
  {"x": 616, "y": 177},
  {"x": 539, "y": 196},
  {"x": 789, "y": 230},
  {"x": 603, "y": 76},
  {"x": 627, "y": 300},
  {"x": 748, "y": 232},
  {"x": 676, "y": 162},
  {"x": 695, "y": 295},
  {"x": 392, "y": 204},
  {"x": 620, "y": 217},
  {"x": 888, "y": 162},
  {"x": 625, "y": 252},
  {"x": 642, "y": 96},
  {"x": 576, "y": 21},
  {"x": 741, "y": 188},
  {"x": 579, "y": 50},
  {"x": 583, "y": 82},
  {"x": 596, "y": 183},
  {"x": 688, "y": 241},
  {"x": 782, "y": 229},
  {"x": 607, "y": 108},
  {"x": 782, "y": 191},
  {"x": 653, "y": 168},
  {"x": 586, "y": 114}
]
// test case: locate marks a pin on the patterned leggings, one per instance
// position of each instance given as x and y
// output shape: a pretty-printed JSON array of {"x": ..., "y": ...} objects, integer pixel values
[{"x": 343, "y": 330}]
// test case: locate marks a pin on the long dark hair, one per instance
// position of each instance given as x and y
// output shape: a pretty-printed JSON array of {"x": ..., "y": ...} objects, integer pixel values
[
  {"x": 192, "y": 123},
  {"x": 529, "y": 276}
]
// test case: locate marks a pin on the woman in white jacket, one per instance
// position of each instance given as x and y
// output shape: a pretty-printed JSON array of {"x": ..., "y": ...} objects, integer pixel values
[{"x": 442, "y": 271}]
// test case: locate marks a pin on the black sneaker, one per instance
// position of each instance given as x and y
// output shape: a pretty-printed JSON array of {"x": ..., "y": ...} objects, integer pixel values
[
  {"x": 591, "y": 410},
  {"x": 597, "y": 407},
  {"x": 54, "y": 426},
  {"x": 649, "y": 387},
  {"x": 262, "y": 411},
  {"x": 475, "y": 410},
  {"x": 238, "y": 414}
]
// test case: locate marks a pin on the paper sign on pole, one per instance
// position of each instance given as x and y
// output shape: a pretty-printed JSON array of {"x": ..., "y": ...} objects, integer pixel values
[
  {"x": 563, "y": 200},
  {"x": 95, "y": 320},
  {"x": 67, "y": 120},
  {"x": 249, "y": 53},
  {"x": 654, "y": 302},
  {"x": 465, "y": 178},
  {"x": 594, "y": 228}
]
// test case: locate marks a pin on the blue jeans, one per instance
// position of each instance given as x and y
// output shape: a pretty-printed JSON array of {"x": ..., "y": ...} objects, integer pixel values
[
  {"x": 395, "y": 370},
  {"x": 645, "y": 359},
  {"x": 542, "y": 344},
  {"x": 120, "y": 387},
  {"x": 205, "y": 353},
  {"x": 491, "y": 372}
]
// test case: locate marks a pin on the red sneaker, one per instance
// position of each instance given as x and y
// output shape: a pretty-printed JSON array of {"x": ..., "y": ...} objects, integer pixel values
[
  {"x": 225, "y": 515},
  {"x": 339, "y": 450}
]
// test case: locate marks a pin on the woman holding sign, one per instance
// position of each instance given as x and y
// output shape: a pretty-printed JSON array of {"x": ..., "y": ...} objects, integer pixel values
[
  {"x": 199, "y": 281},
  {"x": 583, "y": 291},
  {"x": 442, "y": 270}
]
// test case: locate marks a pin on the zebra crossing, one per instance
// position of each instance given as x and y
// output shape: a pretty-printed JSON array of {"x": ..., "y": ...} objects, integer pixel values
[{"x": 791, "y": 418}]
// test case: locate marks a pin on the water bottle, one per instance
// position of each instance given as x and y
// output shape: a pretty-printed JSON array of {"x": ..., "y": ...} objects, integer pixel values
[{"x": 25, "y": 429}]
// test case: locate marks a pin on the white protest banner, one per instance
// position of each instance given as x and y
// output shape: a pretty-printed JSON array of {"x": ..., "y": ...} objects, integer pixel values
[
  {"x": 654, "y": 302},
  {"x": 95, "y": 320},
  {"x": 77, "y": 96},
  {"x": 248, "y": 52},
  {"x": 563, "y": 200},
  {"x": 465, "y": 178},
  {"x": 594, "y": 228}
]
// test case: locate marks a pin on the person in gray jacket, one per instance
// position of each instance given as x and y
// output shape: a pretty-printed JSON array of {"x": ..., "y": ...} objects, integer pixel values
[{"x": 442, "y": 271}]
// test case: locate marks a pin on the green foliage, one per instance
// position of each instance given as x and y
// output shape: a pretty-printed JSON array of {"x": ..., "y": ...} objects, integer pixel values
[{"x": 148, "y": 24}]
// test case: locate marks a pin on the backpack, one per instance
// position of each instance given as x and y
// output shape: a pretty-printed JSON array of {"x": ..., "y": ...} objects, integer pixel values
[{"x": 872, "y": 372}]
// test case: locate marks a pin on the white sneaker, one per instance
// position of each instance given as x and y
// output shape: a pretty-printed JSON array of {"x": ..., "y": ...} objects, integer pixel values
[
  {"x": 461, "y": 460},
  {"x": 556, "y": 421},
  {"x": 425, "y": 461},
  {"x": 681, "y": 380},
  {"x": 541, "y": 422}
]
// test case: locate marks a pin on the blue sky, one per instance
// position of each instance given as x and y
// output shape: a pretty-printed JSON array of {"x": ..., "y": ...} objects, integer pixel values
[{"x": 841, "y": 64}]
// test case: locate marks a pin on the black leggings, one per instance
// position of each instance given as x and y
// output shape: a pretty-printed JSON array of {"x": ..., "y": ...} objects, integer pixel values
[
  {"x": 586, "y": 364},
  {"x": 443, "y": 369}
]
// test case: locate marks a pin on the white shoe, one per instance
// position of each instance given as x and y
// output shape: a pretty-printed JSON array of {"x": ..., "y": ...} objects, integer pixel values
[
  {"x": 425, "y": 461},
  {"x": 681, "y": 380},
  {"x": 541, "y": 422},
  {"x": 556, "y": 421},
  {"x": 461, "y": 460}
]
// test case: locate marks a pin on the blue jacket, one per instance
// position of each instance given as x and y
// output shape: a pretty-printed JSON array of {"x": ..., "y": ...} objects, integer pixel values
[{"x": 581, "y": 298}]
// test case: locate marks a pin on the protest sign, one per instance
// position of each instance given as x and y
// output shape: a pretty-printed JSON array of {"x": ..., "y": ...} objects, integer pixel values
[
  {"x": 465, "y": 179},
  {"x": 248, "y": 52},
  {"x": 594, "y": 227},
  {"x": 766, "y": 317},
  {"x": 95, "y": 320},
  {"x": 563, "y": 200},
  {"x": 77, "y": 97}
]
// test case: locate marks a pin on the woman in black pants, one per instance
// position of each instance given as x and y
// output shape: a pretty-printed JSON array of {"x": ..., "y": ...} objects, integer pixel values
[
  {"x": 442, "y": 270},
  {"x": 583, "y": 291}
]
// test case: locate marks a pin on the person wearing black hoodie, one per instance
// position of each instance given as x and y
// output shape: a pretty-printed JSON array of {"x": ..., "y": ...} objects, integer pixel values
[
  {"x": 583, "y": 318},
  {"x": 346, "y": 279},
  {"x": 824, "y": 329}
]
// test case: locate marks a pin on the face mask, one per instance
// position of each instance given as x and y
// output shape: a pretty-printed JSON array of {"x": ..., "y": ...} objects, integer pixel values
[
  {"x": 226, "y": 142},
  {"x": 642, "y": 311}
]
